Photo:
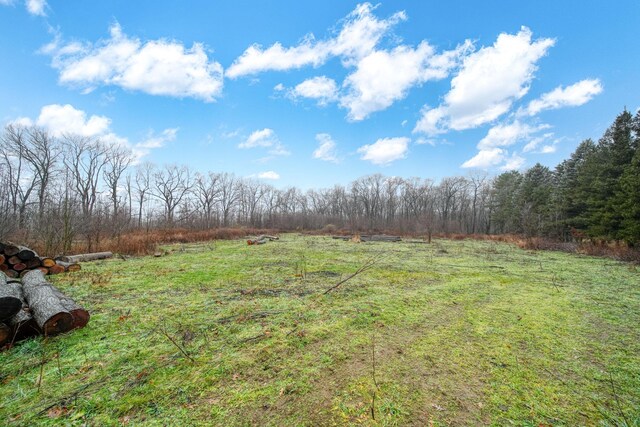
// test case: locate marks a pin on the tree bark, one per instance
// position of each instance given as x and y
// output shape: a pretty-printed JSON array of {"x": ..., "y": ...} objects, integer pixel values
[
  {"x": 50, "y": 315},
  {"x": 86, "y": 257},
  {"x": 10, "y": 302}
]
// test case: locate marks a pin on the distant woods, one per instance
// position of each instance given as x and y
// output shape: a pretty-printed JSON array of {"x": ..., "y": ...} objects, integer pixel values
[{"x": 59, "y": 191}]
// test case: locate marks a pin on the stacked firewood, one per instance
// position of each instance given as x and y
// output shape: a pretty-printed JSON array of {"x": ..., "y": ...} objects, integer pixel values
[
  {"x": 34, "y": 306},
  {"x": 16, "y": 261}
]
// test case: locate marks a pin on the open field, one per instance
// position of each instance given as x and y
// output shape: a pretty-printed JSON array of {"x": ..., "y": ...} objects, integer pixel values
[{"x": 451, "y": 333}]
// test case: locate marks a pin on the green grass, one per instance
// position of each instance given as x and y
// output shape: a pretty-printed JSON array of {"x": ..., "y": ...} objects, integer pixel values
[{"x": 463, "y": 332}]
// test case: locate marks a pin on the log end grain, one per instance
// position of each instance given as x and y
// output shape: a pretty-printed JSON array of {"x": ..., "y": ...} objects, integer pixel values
[
  {"x": 9, "y": 306},
  {"x": 58, "y": 323}
]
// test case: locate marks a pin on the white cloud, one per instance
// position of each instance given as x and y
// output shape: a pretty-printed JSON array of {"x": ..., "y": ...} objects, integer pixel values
[
  {"x": 426, "y": 141},
  {"x": 488, "y": 83},
  {"x": 36, "y": 7},
  {"x": 321, "y": 88},
  {"x": 383, "y": 77},
  {"x": 535, "y": 143},
  {"x": 513, "y": 162},
  {"x": 68, "y": 120},
  {"x": 156, "y": 67},
  {"x": 503, "y": 135},
  {"x": 571, "y": 96},
  {"x": 361, "y": 31},
  {"x": 485, "y": 159},
  {"x": 385, "y": 150},
  {"x": 261, "y": 138},
  {"x": 265, "y": 138},
  {"x": 269, "y": 175},
  {"x": 157, "y": 141},
  {"x": 326, "y": 148},
  {"x": 65, "y": 119},
  {"x": 491, "y": 152},
  {"x": 279, "y": 87},
  {"x": 548, "y": 149}
]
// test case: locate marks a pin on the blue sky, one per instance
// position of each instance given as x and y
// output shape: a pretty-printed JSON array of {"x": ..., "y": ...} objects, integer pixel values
[{"x": 319, "y": 93}]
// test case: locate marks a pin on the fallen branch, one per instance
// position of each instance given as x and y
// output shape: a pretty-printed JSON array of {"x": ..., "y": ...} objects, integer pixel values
[
  {"x": 182, "y": 350},
  {"x": 366, "y": 266}
]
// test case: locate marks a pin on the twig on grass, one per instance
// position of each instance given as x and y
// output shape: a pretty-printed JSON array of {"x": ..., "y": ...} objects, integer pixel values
[
  {"x": 182, "y": 350},
  {"x": 366, "y": 266}
]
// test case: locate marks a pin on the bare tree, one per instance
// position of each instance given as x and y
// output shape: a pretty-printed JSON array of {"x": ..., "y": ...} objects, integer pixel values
[
  {"x": 144, "y": 173},
  {"x": 229, "y": 195},
  {"x": 207, "y": 190},
  {"x": 118, "y": 158},
  {"x": 171, "y": 185}
]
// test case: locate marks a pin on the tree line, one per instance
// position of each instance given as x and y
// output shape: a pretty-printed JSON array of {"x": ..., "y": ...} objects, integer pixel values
[{"x": 62, "y": 189}]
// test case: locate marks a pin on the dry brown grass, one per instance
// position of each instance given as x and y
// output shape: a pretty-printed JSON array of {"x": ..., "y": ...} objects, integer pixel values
[{"x": 143, "y": 242}]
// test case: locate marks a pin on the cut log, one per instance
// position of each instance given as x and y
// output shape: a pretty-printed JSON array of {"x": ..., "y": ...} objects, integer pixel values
[
  {"x": 69, "y": 266},
  {"x": 48, "y": 262},
  {"x": 379, "y": 238},
  {"x": 267, "y": 237},
  {"x": 85, "y": 257},
  {"x": 20, "y": 267},
  {"x": 12, "y": 274},
  {"x": 22, "y": 325},
  {"x": 25, "y": 254},
  {"x": 10, "y": 302},
  {"x": 50, "y": 315},
  {"x": 56, "y": 269},
  {"x": 5, "y": 334},
  {"x": 2, "y": 258},
  {"x": 10, "y": 250},
  {"x": 13, "y": 260},
  {"x": 33, "y": 263},
  {"x": 80, "y": 315},
  {"x": 4, "y": 267}
]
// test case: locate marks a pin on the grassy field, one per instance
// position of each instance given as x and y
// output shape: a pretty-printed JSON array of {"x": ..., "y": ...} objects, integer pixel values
[{"x": 451, "y": 333}]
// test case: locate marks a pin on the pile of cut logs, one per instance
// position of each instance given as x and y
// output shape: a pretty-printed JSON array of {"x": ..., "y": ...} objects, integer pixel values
[
  {"x": 16, "y": 261},
  {"x": 34, "y": 306},
  {"x": 262, "y": 239}
]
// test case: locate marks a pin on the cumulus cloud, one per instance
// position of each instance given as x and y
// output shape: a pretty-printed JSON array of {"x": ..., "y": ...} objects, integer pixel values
[
  {"x": 571, "y": 96},
  {"x": 384, "y": 77},
  {"x": 385, "y": 150},
  {"x": 269, "y": 175},
  {"x": 156, "y": 67},
  {"x": 265, "y": 138},
  {"x": 326, "y": 148},
  {"x": 534, "y": 143},
  {"x": 360, "y": 33},
  {"x": 36, "y": 7},
  {"x": 488, "y": 83},
  {"x": 322, "y": 89},
  {"x": 65, "y": 119},
  {"x": 491, "y": 151},
  {"x": 514, "y": 162},
  {"x": 485, "y": 159},
  {"x": 503, "y": 135}
]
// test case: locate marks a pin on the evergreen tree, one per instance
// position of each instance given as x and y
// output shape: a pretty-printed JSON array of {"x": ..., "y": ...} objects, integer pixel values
[
  {"x": 504, "y": 206},
  {"x": 534, "y": 200}
]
